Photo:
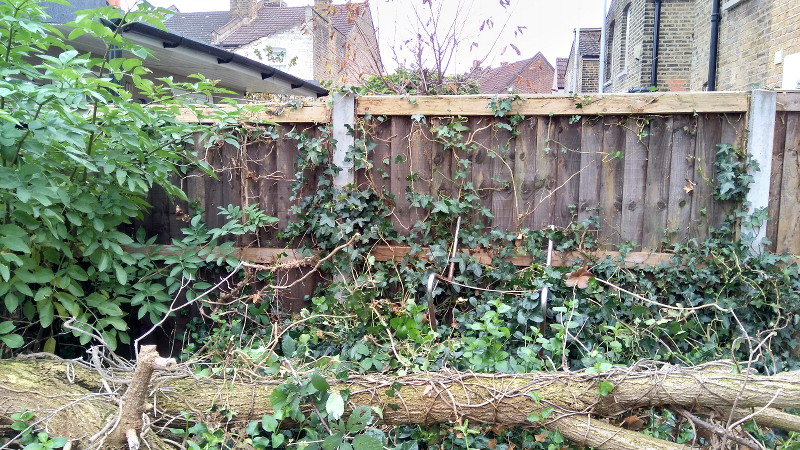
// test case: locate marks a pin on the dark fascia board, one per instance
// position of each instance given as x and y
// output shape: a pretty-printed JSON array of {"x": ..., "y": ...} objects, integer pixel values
[{"x": 171, "y": 40}]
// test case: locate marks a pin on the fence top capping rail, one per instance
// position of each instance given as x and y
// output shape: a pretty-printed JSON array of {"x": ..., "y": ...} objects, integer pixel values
[
  {"x": 788, "y": 101},
  {"x": 559, "y": 105},
  {"x": 315, "y": 112}
]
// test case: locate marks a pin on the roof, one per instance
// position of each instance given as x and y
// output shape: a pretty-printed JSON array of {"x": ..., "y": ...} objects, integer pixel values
[
  {"x": 268, "y": 21},
  {"x": 181, "y": 55},
  {"x": 197, "y": 25},
  {"x": 589, "y": 45},
  {"x": 530, "y": 76},
  {"x": 561, "y": 71}
]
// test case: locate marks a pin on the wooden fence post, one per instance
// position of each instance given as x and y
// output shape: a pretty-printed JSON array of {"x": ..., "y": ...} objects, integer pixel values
[
  {"x": 343, "y": 117},
  {"x": 761, "y": 126}
]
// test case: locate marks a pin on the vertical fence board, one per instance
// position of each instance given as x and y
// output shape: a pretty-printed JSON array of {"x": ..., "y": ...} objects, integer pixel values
[
  {"x": 659, "y": 173},
  {"x": 731, "y": 133},
  {"x": 709, "y": 130},
  {"x": 789, "y": 220},
  {"x": 379, "y": 177},
  {"x": 525, "y": 172},
  {"x": 501, "y": 182},
  {"x": 400, "y": 167},
  {"x": 679, "y": 207},
  {"x": 611, "y": 177},
  {"x": 568, "y": 170},
  {"x": 591, "y": 164},
  {"x": 213, "y": 189},
  {"x": 266, "y": 170},
  {"x": 421, "y": 167},
  {"x": 545, "y": 174},
  {"x": 776, "y": 179},
  {"x": 634, "y": 183},
  {"x": 482, "y": 165},
  {"x": 285, "y": 159},
  {"x": 441, "y": 168}
]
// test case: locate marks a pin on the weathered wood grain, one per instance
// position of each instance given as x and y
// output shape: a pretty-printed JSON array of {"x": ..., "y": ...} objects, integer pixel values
[
  {"x": 709, "y": 130},
  {"x": 316, "y": 112},
  {"x": 659, "y": 173},
  {"x": 681, "y": 178},
  {"x": 591, "y": 163},
  {"x": 524, "y": 171},
  {"x": 776, "y": 179},
  {"x": 789, "y": 221},
  {"x": 611, "y": 178},
  {"x": 545, "y": 179},
  {"x": 568, "y": 170},
  {"x": 544, "y": 105},
  {"x": 637, "y": 137}
]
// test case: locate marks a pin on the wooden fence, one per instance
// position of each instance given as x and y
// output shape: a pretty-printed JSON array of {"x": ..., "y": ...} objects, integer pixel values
[{"x": 643, "y": 163}]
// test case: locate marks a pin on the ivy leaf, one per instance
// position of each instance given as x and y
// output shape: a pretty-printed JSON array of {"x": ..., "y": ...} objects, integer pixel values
[{"x": 335, "y": 406}]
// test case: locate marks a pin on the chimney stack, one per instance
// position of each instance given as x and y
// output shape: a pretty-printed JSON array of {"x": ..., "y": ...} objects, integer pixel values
[
  {"x": 244, "y": 9},
  {"x": 323, "y": 7}
]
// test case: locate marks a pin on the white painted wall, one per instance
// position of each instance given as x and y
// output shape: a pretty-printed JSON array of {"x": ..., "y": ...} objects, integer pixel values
[{"x": 298, "y": 42}]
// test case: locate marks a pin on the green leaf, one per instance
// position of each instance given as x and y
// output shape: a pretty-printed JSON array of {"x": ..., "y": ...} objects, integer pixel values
[
  {"x": 12, "y": 340},
  {"x": 122, "y": 275},
  {"x": 45, "y": 309},
  {"x": 359, "y": 419},
  {"x": 365, "y": 442},
  {"x": 605, "y": 388},
  {"x": 11, "y": 301},
  {"x": 335, "y": 406},
  {"x": 319, "y": 382},
  {"x": 332, "y": 442},
  {"x": 109, "y": 308},
  {"x": 6, "y": 327},
  {"x": 16, "y": 244},
  {"x": 269, "y": 423},
  {"x": 49, "y": 345}
]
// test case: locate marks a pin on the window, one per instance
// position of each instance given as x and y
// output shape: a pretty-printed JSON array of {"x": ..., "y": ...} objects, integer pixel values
[
  {"x": 625, "y": 38},
  {"x": 609, "y": 50}
]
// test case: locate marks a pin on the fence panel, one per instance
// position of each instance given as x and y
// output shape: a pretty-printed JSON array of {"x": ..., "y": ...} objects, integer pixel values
[{"x": 648, "y": 178}]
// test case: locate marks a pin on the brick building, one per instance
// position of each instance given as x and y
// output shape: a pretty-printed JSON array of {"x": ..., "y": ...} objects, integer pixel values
[
  {"x": 758, "y": 45},
  {"x": 583, "y": 66},
  {"x": 531, "y": 76},
  {"x": 326, "y": 42}
]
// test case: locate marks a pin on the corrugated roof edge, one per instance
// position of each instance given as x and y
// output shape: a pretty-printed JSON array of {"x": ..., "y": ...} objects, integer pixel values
[{"x": 224, "y": 56}]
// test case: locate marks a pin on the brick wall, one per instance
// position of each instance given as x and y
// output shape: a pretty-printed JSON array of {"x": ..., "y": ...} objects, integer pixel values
[
  {"x": 755, "y": 36},
  {"x": 784, "y": 38},
  {"x": 590, "y": 73},
  {"x": 625, "y": 42}
]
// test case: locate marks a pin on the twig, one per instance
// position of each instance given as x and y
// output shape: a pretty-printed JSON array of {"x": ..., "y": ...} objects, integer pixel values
[{"x": 727, "y": 434}]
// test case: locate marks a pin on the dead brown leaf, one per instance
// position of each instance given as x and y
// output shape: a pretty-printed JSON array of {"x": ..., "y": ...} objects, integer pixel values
[
  {"x": 688, "y": 187},
  {"x": 579, "y": 278},
  {"x": 633, "y": 423},
  {"x": 541, "y": 437}
]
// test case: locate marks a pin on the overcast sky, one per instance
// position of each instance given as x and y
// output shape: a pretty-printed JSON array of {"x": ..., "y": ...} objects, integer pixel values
[{"x": 548, "y": 25}]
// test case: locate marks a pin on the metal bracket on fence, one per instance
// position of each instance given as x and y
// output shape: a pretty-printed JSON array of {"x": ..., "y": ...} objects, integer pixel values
[{"x": 433, "y": 278}]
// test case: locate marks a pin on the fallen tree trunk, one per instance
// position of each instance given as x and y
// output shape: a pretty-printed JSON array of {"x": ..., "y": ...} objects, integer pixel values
[{"x": 58, "y": 392}]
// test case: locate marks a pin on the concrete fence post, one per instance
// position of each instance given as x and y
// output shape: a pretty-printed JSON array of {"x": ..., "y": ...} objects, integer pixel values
[
  {"x": 761, "y": 127},
  {"x": 343, "y": 118}
]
